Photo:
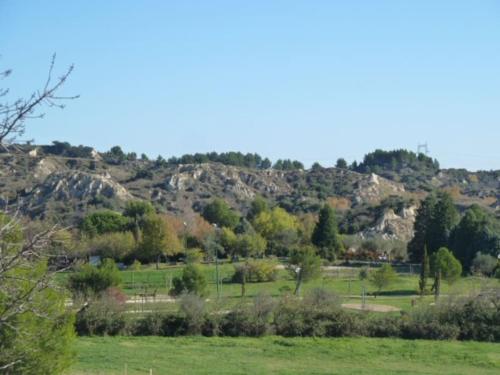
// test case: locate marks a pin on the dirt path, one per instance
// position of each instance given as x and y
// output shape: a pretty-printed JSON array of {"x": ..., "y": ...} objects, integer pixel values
[{"x": 370, "y": 307}]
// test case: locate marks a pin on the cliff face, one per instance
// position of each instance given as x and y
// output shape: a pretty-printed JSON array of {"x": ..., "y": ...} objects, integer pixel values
[{"x": 63, "y": 189}]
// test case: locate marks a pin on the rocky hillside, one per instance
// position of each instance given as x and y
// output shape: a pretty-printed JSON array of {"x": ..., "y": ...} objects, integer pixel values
[{"x": 63, "y": 188}]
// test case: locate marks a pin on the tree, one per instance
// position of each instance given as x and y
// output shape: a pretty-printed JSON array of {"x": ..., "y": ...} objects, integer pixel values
[
  {"x": 424, "y": 272},
  {"x": 251, "y": 245},
  {"x": 101, "y": 222},
  {"x": 477, "y": 232},
  {"x": 326, "y": 236},
  {"x": 279, "y": 228},
  {"x": 383, "y": 277},
  {"x": 159, "y": 238},
  {"x": 444, "y": 266},
  {"x": 341, "y": 163},
  {"x": 91, "y": 281},
  {"x": 305, "y": 265},
  {"x": 36, "y": 329},
  {"x": 484, "y": 264},
  {"x": 137, "y": 211},
  {"x": 116, "y": 245},
  {"x": 436, "y": 218},
  {"x": 15, "y": 114},
  {"x": 192, "y": 281},
  {"x": 257, "y": 206},
  {"x": 218, "y": 212},
  {"x": 228, "y": 240}
]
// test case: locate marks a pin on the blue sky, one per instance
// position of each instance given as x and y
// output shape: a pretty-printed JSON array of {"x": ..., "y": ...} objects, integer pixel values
[{"x": 309, "y": 80}]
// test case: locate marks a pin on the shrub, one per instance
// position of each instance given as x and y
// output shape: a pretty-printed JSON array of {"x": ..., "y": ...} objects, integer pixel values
[
  {"x": 387, "y": 326},
  {"x": 192, "y": 308},
  {"x": 424, "y": 323},
  {"x": 136, "y": 266},
  {"x": 484, "y": 264},
  {"x": 91, "y": 280},
  {"x": 253, "y": 320},
  {"x": 102, "y": 316},
  {"x": 192, "y": 281},
  {"x": 194, "y": 256}
]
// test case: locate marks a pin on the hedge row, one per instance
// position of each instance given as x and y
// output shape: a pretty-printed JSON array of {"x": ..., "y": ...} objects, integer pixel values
[{"x": 317, "y": 316}]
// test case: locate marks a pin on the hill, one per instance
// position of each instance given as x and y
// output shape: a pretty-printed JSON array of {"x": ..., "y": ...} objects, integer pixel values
[{"x": 60, "y": 183}]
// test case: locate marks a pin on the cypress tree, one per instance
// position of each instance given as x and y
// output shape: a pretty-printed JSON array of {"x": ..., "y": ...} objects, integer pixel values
[
  {"x": 326, "y": 236},
  {"x": 424, "y": 272}
]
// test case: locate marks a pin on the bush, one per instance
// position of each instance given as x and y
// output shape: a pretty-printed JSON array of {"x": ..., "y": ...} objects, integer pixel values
[
  {"x": 387, "y": 326},
  {"x": 424, "y": 323},
  {"x": 294, "y": 318},
  {"x": 484, "y": 264},
  {"x": 478, "y": 318},
  {"x": 192, "y": 308},
  {"x": 192, "y": 281},
  {"x": 102, "y": 316},
  {"x": 136, "y": 266},
  {"x": 91, "y": 280},
  {"x": 253, "y": 320}
]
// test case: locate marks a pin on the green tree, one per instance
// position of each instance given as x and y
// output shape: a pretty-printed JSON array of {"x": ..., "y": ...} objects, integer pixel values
[
  {"x": 436, "y": 218},
  {"x": 305, "y": 265},
  {"x": 251, "y": 245},
  {"x": 192, "y": 281},
  {"x": 36, "y": 329},
  {"x": 137, "y": 212},
  {"x": 484, "y": 264},
  {"x": 477, "y": 232},
  {"x": 383, "y": 277},
  {"x": 279, "y": 228},
  {"x": 218, "y": 212},
  {"x": 341, "y": 163},
  {"x": 425, "y": 271},
  {"x": 90, "y": 281},
  {"x": 257, "y": 206},
  {"x": 326, "y": 236},
  {"x": 228, "y": 240},
  {"x": 116, "y": 245},
  {"x": 103, "y": 222},
  {"x": 444, "y": 266},
  {"x": 159, "y": 238}
]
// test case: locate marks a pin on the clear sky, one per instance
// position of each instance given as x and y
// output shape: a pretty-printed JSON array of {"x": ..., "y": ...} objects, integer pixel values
[{"x": 308, "y": 80}]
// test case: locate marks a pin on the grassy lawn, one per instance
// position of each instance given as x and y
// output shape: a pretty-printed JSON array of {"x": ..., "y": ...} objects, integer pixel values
[
  {"x": 277, "y": 355},
  {"x": 344, "y": 282}
]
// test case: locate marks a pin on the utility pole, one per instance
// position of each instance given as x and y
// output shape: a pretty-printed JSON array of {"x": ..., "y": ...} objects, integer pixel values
[
  {"x": 216, "y": 248},
  {"x": 423, "y": 147}
]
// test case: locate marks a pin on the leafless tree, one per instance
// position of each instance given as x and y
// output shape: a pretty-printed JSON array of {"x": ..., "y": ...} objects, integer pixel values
[
  {"x": 13, "y": 115},
  {"x": 19, "y": 290}
]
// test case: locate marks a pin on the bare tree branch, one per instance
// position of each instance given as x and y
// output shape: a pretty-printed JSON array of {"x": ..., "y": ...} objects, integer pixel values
[{"x": 13, "y": 115}]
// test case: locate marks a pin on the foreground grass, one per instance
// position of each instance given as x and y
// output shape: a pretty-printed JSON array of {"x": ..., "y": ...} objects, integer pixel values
[{"x": 277, "y": 355}]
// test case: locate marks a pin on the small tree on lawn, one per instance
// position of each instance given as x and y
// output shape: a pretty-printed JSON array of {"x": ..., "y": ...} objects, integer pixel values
[
  {"x": 383, "y": 277},
  {"x": 305, "y": 265},
  {"x": 425, "y": 271},
  {"x": 444, "y": 266},
  {"x": 192, "y": 281}
]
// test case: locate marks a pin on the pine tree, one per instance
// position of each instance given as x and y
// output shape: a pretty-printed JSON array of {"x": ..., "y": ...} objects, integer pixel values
[
  {"x": 326, "y": 236},
  {"x": 424, "y": 272}
]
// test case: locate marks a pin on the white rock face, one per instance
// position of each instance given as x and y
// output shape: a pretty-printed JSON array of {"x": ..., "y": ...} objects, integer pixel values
[
  {"x": 393, "y": 226},
  {"x": 80, "y": 185},
  {"x": 241, "y": 184},
  {"x": 373, "y": 188}
]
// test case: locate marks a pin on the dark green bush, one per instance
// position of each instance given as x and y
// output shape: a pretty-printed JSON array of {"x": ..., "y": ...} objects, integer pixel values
[{"x": 192, "y": 281}]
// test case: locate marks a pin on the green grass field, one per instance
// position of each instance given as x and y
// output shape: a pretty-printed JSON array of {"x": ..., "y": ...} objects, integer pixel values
[
  {"x": 277, "y": 355},
  {"x": 344, "y": 282}
]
